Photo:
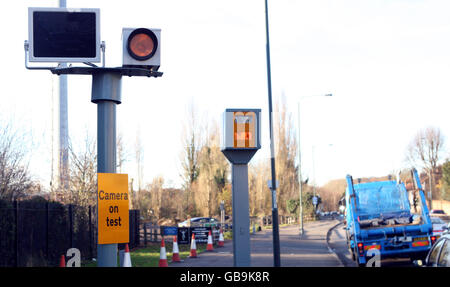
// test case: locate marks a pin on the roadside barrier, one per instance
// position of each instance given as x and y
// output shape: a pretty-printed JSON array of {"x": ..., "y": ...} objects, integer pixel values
[
  {"x": 175, "y": 253},
  {"x": 193, "y": 247},
  {"x": 162, "y": 255}
]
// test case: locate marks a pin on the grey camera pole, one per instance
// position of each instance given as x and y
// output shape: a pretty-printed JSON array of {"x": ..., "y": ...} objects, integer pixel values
[
  {"x": 241, "y": 217},
  {"x": 62, "y": 128},
  {"x": 106, "y": 93},
  {"x": 239, "y": 157}
]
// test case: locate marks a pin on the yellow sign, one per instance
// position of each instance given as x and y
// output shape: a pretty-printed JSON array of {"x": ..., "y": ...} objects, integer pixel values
[
  {"x": 244, "y": 129},
  {"x": 113, "y": 208}
]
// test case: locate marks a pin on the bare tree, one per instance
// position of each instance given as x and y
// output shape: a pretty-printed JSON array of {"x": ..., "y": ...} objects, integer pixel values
[
  {"x": 189, "y": 157},
  {"x": 331, "y": 193},
  {"x": 213, "y": 170},
  {"x": 426, "y": 147},
  {"x": 139, "y": 156},
  {"x": 156, "y": 194},
  {"x": 15, "y": 180},
  {"x": 122, "y": 155},
  {"x": 83, "y": 174},
  {"x": 191, "y": 144},
  {"x": 259, "y": 192},
  {"x": 425, "y": 150},
  {"x": 286, "y": 148}
]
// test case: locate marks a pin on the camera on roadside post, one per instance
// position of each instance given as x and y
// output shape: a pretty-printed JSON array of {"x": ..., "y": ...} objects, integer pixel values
[{"x": 141, "y": 48}]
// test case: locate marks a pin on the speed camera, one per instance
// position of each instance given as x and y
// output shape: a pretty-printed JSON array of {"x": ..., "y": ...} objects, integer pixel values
[
  {"x": 241, "y": 129},
  {"x": 141, "y": 48}
]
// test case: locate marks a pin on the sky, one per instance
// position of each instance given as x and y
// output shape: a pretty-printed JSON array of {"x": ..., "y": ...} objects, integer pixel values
[{"x": 386, "y": 63}]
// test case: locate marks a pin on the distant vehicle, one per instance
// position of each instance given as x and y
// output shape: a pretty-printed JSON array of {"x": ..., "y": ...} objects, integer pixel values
[
  {"x": 439, "y": 226},
  {"x": 185, "y": 223},
  {"x": 437, "y": 212},
  {"x": 439, "y": 255},
  {"x": 200, "y": 221}
]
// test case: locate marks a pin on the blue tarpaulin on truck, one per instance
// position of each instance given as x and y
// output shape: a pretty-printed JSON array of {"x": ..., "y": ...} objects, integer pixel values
[{"x": 386, "y": 198}]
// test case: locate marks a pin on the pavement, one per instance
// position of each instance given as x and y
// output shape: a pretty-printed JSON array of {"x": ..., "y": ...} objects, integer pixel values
[
  {"x": 309, "y": 250},
  {"x": 338, "y": 244}
]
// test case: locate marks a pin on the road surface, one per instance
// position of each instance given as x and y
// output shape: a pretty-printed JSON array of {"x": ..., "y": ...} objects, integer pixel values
[{"x": 310, "y": 250}]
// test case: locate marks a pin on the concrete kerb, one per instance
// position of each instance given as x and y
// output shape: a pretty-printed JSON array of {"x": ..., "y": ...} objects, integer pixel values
[{"x": 328, "y": 244}]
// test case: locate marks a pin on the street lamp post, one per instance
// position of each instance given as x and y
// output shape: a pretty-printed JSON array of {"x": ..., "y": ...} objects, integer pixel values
[
  {"x": 314, "y": 170},
  {"x": 275, "y": 227},
  {"x": 300, "y": 180}
]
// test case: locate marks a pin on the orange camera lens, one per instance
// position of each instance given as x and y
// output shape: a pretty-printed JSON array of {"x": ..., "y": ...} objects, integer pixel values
[{"x": 141, "y": 45}]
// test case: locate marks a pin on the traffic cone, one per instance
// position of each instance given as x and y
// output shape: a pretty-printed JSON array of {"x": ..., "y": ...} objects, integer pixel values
[
  {"x": 62, "y": 261},
  {"x": 162, "y": 255},
  {"x": 221, "y": 240},
  {"x": 209, "y": 247},
  {"x": 193, "y": 247},
  {"x": 126, "y": 257},
  {"x": 175, "y": 253}
]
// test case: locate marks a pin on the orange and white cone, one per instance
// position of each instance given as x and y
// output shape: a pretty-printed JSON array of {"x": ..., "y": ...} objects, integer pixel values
[
  {"x": 126, "y": 257},
  {"x": 209, "y": 247},
  {"x": 221, "y": 240},
  {"x": 176, "y": 252},
  {"x": 62, "y": 261},
  {"x": 162, "y": 255},
  {"x": 193, "y": 247}
]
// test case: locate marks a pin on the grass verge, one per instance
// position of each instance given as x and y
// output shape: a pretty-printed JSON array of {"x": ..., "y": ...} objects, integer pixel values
[{"x": 149, "y": 256}]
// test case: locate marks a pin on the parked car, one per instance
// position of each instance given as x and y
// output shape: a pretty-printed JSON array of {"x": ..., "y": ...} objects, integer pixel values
[
  {"x": 439, "y": 255},
  {"x": 200, "y": 221},
  {"x": 439, "y": 226},
  {"x": 438, "y": 212}
]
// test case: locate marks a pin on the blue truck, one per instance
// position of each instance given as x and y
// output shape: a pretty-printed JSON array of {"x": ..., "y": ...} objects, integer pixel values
[{"x": 380, "y": 215}]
